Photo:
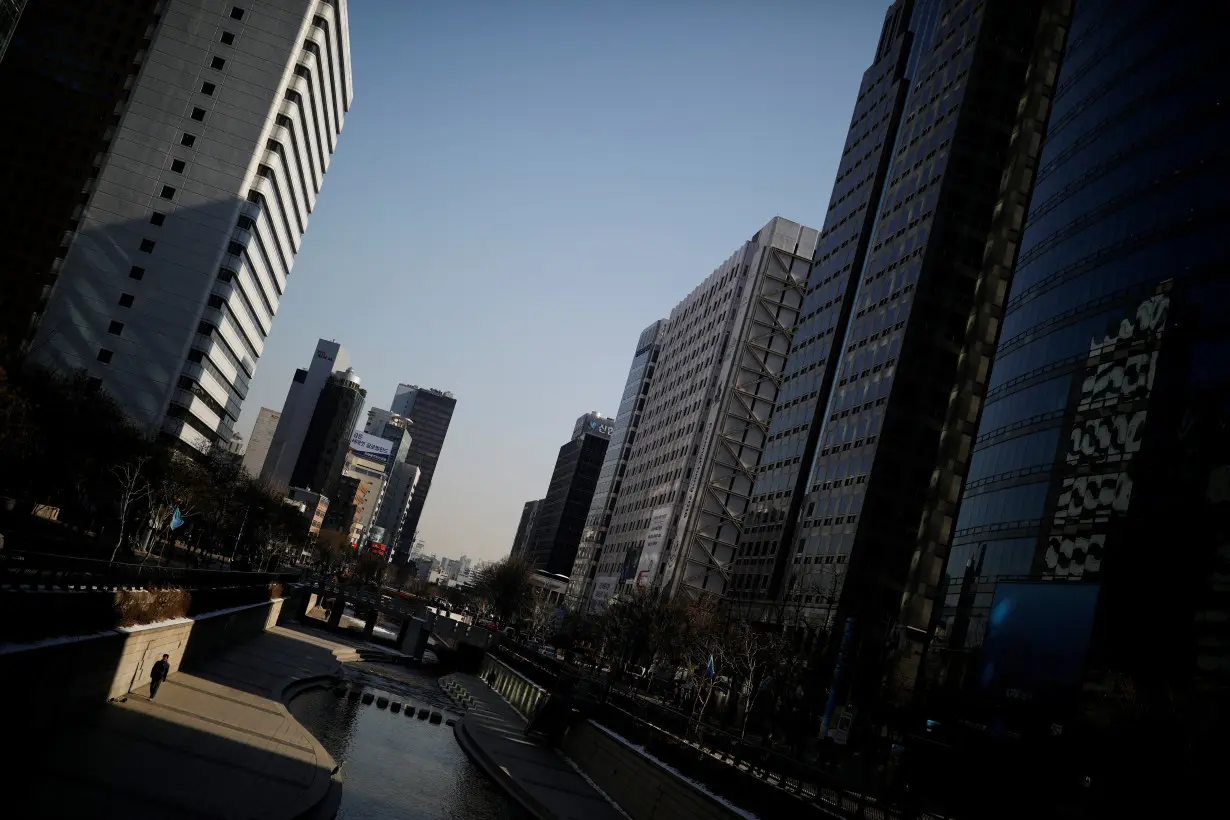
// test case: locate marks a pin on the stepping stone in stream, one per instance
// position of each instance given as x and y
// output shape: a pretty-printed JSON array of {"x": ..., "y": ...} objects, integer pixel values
[
  {"x": 353, "y": 694},
  {"x": 394, "y": 707},
  {"x": 436, "y": 717},
  {"x": 368, "y": 697},
  {"x": 423, "y": 713},
  {"x": 382, "y": 703}
]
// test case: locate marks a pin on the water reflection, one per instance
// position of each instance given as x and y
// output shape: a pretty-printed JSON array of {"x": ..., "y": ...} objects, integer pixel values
[{"x": 397, "y": 766}]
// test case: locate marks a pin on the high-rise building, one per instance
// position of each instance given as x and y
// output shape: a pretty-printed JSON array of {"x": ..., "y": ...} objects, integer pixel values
[
  {"x": 429, "y": 412},
  {"x": 1093, "y": 525},
  {"x": 688, "y": 475},
  {"x": 305, "y": 386},
  {"x": 260, "y": 440},
  {"x": 560, "y": 517},
  {"x": 316, "y": 505},
  {"x": 326, "y": 444},
  {"x": 521, "y": 541},
  {"x": 627, "y": 420},
  {"x": 370, "y": 474},
  {"x": 890, "y": 361},
  {"x": 173, "y": 268},
  {"x": 10, "y": 13},
  {"x": 68, "y": 122}
]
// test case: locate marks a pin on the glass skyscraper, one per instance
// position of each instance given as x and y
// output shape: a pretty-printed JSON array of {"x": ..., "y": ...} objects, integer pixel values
[
  {"x": 1092, "y": 533},
  {"x": 581, "y": 583},
  {"x": 897, "y": 325},
  {"x": 430, "y": 412}
]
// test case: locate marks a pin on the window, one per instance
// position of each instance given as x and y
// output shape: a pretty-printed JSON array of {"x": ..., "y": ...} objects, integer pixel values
[
  {"x": 187, "y": 139},
  {"x": 217, "y": 63},
  {"x": 208, "y": 89},
  {"x": 157, "y": 218},
  {"x": 167, "y": 192},
  {"x": 104, "y": 355},
  {"x": 178, "y": 166},
  {"x": 147, "y": 246},
  {"x": 136, "y": 272},
  {"x": 125, "y": 300},
  {"x": 115, "y": 328},
  {"x": 227, "y": 38},
  {"x": 236, "y": 13},
  {"x": 198, "y": 114},
  {"x": 235, "y": 249}
]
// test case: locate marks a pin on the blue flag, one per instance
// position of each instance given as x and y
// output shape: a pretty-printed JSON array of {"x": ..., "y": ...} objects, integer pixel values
[
  {"x": 177, "y": 520},
  {"x": 710, "y": 670}
]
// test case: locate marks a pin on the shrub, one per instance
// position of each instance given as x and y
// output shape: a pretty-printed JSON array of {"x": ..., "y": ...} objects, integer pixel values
[{"x": 147, "y": 606}]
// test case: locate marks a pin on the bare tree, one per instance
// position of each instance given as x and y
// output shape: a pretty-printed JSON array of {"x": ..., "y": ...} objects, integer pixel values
[
  {"x": 541, "y": 614},
  {"x": 133, "y": 488},
  {"x": 749, "y": 652}
]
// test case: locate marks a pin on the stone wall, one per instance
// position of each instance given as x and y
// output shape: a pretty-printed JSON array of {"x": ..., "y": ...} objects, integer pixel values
[
  {"x": 523, "y": 694},
  {"x": 71, "y": 675},
  {"x": 641, "y": 786}
]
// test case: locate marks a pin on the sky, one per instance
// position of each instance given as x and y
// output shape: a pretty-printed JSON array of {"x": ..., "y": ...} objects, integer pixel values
[{"x": 521, "y": 187}]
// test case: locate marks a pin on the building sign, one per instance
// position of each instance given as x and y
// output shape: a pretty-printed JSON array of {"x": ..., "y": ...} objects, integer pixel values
[
  {"x": 604, "y": 588},
  {"x": 595, "y": 424},
  {"x": 651, "y": 553},
  {"x": 366, "y": 444}
]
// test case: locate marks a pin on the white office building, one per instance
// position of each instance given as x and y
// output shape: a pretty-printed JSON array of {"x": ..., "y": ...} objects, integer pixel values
[
  {"x": 258, "y": 443},
  {"x": 688, "y": 475},
  {"x": 168, "y": 286}
]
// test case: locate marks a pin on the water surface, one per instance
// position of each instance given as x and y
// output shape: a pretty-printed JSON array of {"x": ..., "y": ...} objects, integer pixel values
[{"x": 395, "y": 765}]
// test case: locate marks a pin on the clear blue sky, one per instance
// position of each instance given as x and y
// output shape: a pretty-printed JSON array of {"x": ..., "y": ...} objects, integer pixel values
[{"x": 521, "y": 187}]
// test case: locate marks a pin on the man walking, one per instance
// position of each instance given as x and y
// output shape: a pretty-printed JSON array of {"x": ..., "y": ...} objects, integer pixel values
[{"x": 158, "y": 675}]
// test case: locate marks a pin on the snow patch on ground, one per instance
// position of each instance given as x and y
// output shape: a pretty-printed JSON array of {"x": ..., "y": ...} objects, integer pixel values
[{"x": 700, "y": 788}]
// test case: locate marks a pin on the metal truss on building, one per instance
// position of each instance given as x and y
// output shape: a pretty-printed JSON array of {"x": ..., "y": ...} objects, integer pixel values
[{"x": 739, "y": 427}]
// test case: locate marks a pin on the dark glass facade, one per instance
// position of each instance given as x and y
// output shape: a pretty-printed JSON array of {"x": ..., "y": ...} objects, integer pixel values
[
  {"x": 1102, "y": 453},
  {"x": 327, "y": 440},
  {"x": 63, "y": 73},
  {"x": 840, "y": 254},
  {"x": 430, "y": 412},
  {"x": 525, "y": 526},
  {"x": 560, "y": 519}
]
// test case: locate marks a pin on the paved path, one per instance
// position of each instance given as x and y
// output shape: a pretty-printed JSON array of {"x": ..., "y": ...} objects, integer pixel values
[
  {"x": 216, "y": 743},
  {"x": 543, "y": 781}
]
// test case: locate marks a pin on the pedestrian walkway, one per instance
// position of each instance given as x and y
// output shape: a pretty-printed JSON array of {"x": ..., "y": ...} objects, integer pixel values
[
  {"x": 542, "y": 780},
  {"x": 217, "y": 742}
]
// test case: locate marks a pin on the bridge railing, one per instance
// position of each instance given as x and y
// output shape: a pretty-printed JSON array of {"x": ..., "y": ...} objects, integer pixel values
[{"x": 33, "y": 570}]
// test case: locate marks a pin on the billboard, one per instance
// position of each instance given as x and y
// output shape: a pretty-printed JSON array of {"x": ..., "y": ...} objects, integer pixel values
[
  {"x": 371, "y": 446},
  {"x": 595, "y": 424},
  {"x": 604, "y": 588},
  {"x": 651, "y": 552}
]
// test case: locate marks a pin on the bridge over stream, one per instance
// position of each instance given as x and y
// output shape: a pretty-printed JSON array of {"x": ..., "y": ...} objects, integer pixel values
[{"x": 419, "y": 620}]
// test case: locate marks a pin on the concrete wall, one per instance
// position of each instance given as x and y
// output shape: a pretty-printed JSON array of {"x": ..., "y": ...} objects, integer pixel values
[
  {"x": 641, "y": 787},
  {"x": 76, "y": 674}
]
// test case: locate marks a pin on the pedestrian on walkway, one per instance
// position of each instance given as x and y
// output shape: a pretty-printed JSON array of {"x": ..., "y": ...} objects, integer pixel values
[{"x": 158, "y": 675}]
